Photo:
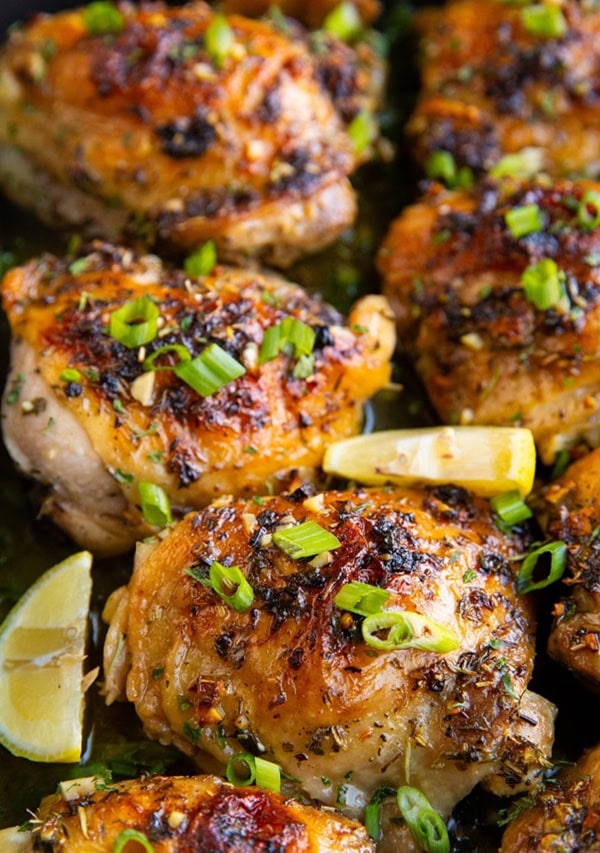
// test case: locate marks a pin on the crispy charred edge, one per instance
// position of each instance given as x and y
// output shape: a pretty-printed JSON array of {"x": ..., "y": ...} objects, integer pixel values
[
  {"x": 381, "y": 546},
  {"x": 247, "y": 816}
]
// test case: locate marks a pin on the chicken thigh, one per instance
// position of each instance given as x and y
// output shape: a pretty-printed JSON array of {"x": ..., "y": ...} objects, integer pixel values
[
  {"x": 503, "y": 78},
  {"x": 292, "y": 677},
  {"x": 175, "y": 124},
  {"x": 497, "y": 295},
  {"x": 200, "y": 814},
  {"x": 92, "y": 416}
]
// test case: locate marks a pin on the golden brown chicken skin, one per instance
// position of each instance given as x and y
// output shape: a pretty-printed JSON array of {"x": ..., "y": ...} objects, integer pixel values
[
  {"x": 197, "y": 814},
  {"x": 292, "y": 674},
  {"x": 566, "y": 817},
  {"x": 94, "y": 434},
  {"x": 147, "y": 132},
  {"x": 571, "y": 512},
  {"x": 496, "y": 83},
  {"x": 486, "y": 351}
]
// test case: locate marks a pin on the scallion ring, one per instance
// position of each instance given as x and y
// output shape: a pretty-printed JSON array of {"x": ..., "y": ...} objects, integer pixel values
[
  {"x": 362, "y": 131},
  {"x": 265, "y": 774},
  {"x": 102, "y": 17},
  {"x": 544, "y": 19},
  {"x": 202, "y": 261},
  {"x": 343, "y": 21},
  {"x": 588, "y": 212},
  {"x": 218, "y": 40},
  {"x": 127, "y": 835},
  {"x": 362, "y": 598},
  {"x": 425, "y": 824},
  {"x": 558, "y": 561},
  {"x": 291, "y": 333},
  {"x": 135, "y": 323},
  {"x": 407, "y": 630},
  {"x": 70, "y": 374},
  {"x": 210, "y": 371},
  {"x": 305, "y": 540},
  {"x": 230, "y": 584},
  {"x": 179, "y": 350},
  {"x": 543, "y": 284},
  {"x": 372, "y": 817},
  {"x": 524, "y": 220},
  {"x": 155, "y": 504},
  {"x": 510, "y": 508}
]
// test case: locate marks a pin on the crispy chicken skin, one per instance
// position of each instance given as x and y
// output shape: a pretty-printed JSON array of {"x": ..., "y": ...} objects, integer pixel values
[
  {"x": 200, "y": 814},
  {"x": 144, "y": 135},
  {"x": 491, "y": 87},
  {"x": 571, "y": 512},
  {"x": 92, "y": 439},
  {"x": 452, "y": 271},
  {"x": 565, "y": 818},
  {"x": 311, "y": 12},
  {"x": 292, "y": 675}
]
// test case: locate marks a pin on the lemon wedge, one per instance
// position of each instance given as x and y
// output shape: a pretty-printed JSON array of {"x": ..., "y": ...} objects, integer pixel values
[
  {"x": 42, "y": 647},
  {"x": 487, "y": 460}
]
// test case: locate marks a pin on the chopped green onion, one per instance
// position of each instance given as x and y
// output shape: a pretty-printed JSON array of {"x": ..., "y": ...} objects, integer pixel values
[
  {"x": 155, "y": 504},
  {"x": 544, "y": 19},
  {"x": 266, "y": 774},
  {"x": 211, "y": 370},
  {"x": 202, "y": 261},
  {"x": 305, "y": 540},
  {"x": 179, "y": 349},
  {"x": 525, "y": 164},
  {"x": 362, "y": 598},
  {"x": 588, "y": 212},
  {"x": 407, "y": 630},
  {"x": 372, "y": 816},
  {"x": 558, "y": 562},
  {"x": 524, "y": 220},
  {"x": 218, "y": 40},
  {"x": 127, "y": 835},
  {"x": 304, "y": 367},
  {"x": 290, "y": 333},
  {"x": 543, "y": 284},
  {"x": 69, "y": 374},
  {"x": 136, "y": 323},
  {"x": 510, "y": 508},
  {"x": 101, "y": 18},
  {"x": 362, "y": 131},
  {"x": 441, "y": 166},
  {"x": 343, "y": 22},
  {"x": 425, "y": 824},
  {"x": 230, "y": 584}
]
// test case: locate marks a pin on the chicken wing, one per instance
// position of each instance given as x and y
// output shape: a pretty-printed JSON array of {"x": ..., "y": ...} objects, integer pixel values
[
  {"x": 566, "y": 817},
  {"x": 571, "y": 512},
  {"x": 166, "y": 129},
  {"x": 292, "y": 676},
  {"x": 500, "y": 78},
  {"x": 491, "y": 351},
  {"x": 91, "y": 417},
  {"x": 202, "y": 814}
]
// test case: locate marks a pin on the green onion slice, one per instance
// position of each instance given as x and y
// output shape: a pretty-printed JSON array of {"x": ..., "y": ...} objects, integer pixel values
[
  {"x": 230, "y": 584},
  {"x": 588, "y": 212},
  {"x": 202, "y": 261},
  {"x": 210, "y": 371},
  {"x": 510, "y": 508},
  {"x": 70, "y": 374},
  {"x": 362, "y": 598},
  {"x": 525, "y": 164},
  {"x": 135, "y": 323},
  {"x": 182, "y": 352},
  {"x": 156, "y": 506},
  {"x": 558, "y": 562},
  {"x": 524, "y": 220},
  {"x": 102, "y": 18},
  {"x": 218, "y": 41},
  {"x": 543, "y": 284},
  {"x": 343, "y": 22},
  {"x": 407, "y": 630},
  {"x": 441, "y": 166},
  {"x": 127, "y": 835},
  {"x": 290, "y": 333},
  {"x": 305, "y": 540},
  {"x": 425, "y": 824},
  {"x": 245, "y": 769},
  {"x": 373, "y": 811},
  {"x": 544, "y": 19},
  {"x": 362, "y": 131}
]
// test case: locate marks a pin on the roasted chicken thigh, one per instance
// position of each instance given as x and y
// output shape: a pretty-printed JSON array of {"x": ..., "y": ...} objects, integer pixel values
[
  {"x": 502, "y": 78},
  {"x": 176, "y": 124},
  {"x": 198, "y": 814},
  {"x": 497, "y": 295},
  {"x": 91, "y": 416},
  {"x": 291, "y": 677}
]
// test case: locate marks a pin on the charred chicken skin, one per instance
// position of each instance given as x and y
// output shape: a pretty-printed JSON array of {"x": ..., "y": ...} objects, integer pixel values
[
  {"x": 489, "y": 350},
  {"x": 88, "y": 416},
  {"x": 292, "y": 677},
  {"x": 496, "y": 81},
  {"x": 152, "y": 133},
  {"x": 571, "y": 511},
  {"x": 566, "y": 817},
  {"x": 199, "y": 814}
]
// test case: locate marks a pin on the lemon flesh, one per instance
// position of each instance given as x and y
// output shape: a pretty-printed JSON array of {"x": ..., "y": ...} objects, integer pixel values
[
  {"x": 42, "y": 647},
  {"x": 485, "y": 459}
]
